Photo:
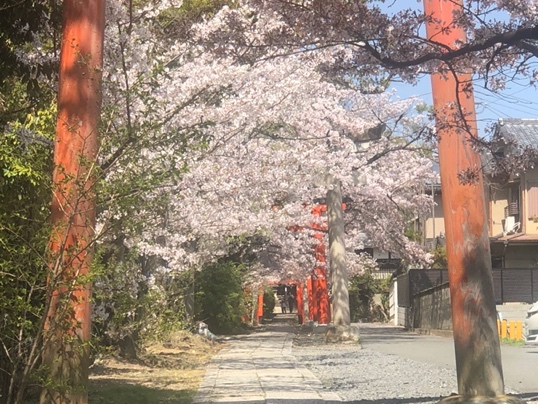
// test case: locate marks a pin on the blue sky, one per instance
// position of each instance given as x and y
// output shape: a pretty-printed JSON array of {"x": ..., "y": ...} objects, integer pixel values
[{"x": 518, "y": 100}]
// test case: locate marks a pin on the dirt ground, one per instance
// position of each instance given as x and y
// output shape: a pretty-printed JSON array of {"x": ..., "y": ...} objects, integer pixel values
[{"x": 168, "y": 372}]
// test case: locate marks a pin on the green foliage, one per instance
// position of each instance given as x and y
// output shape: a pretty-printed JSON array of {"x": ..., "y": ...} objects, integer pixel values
[
  {"x": 25, "y": 191},
  {"x": 23, "y": 22},
  {"x": 177, "y": 21},
  {"x": 439, "y": 258},
  {"x": 115, "y": 294},
  {"x": 268, "y": 302},
  {"x": 129, "y": 311},
  {"x": 412, "y": 233},
  {"x": 362, "y": 290},
  {"x": 424, "y": 108},
  {"x": 220, "y": 297}
]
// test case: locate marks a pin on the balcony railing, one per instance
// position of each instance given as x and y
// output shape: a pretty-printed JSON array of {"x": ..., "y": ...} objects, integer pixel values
[{"x": 512, "y": 209}]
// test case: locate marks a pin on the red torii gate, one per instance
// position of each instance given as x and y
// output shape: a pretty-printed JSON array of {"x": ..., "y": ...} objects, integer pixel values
[
  {"x": 319, "y": 308},
  {"x": 299, "y": 289},
  {"x": 318, "y": 294}
]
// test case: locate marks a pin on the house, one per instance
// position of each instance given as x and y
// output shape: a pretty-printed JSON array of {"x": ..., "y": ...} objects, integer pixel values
[
  {"x": 512, "y": 199},
  {"x": 389, "y": 263}
]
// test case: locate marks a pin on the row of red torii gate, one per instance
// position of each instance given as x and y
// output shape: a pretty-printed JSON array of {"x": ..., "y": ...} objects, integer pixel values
[{"x": 318, "y": 308}]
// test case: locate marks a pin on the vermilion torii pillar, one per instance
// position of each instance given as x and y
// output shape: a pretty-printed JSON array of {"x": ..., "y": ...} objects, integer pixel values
[
  {"x": 299, "y": 302},
  {"x": 66, "y": 338},
  {"x": 316, "y": 283},
  {"x": 311, "y": 298},
  {"x": 259, "y": 309},
  {"x": 322, "y": 313},
  {"x": 476, "y": 341}
]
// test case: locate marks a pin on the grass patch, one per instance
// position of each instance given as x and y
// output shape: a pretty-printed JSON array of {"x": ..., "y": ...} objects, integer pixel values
[
  {"x": 116, "y": 392},
  {"x": 166, "y": 372},
  {"x": 512, "y": 342}
]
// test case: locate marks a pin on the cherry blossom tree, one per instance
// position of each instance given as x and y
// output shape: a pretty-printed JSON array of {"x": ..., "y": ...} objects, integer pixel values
[
  {"x": 387, "y": 39},
  {"x": 492, "y": 41},
  {"x": 233, "y": 187},
  {"x": 260, "y": 139},
  {"x": 201, "y": 151},
  {"x": 210, "y": 137},
  {"x": 237, "y": 122}
]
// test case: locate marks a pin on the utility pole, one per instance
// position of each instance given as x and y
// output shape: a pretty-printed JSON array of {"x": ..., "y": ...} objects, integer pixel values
[
  {"x": 476, "y": 341},
  {"x": 67, "y": 326}
]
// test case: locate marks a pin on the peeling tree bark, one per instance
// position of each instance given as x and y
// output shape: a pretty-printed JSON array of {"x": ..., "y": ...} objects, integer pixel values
[{"x": 65, "y": 352}]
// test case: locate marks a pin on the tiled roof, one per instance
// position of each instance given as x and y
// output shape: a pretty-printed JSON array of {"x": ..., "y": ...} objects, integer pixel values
[{"x": 523, "y": 132}]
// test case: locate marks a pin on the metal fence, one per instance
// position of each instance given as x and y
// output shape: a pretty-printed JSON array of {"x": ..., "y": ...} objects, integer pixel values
[
  {"x": 417, "y": 280},
  {"x": 515, "y": 285},
  {"x": 510, "y": 285}
]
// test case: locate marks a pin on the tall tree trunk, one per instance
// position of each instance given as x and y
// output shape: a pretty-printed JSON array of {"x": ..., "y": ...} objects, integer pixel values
[
  {"x": 341, "y": 329},
  {"x": 478, "y": 356},
  {"x": 65, "y": 351},
  {"x": 337, "y": 257}
]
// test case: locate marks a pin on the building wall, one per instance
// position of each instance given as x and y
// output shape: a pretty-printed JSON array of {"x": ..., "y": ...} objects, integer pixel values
[
  {"x": 521, "y": 256},
  {"x": 498, "y": 202},
  {"x": 530, "y": 224},
  {"x": 393, "y": 303},
  {"x": 403, "y": 317},
  {"x": 380, "y": 254},
  {"x": 434, "y": 223}
]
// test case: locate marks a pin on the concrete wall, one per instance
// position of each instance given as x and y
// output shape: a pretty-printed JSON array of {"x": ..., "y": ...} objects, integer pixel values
[
  {"x": 393, "y": 303},
  {"x": 513, "y": 311},
  {"x": 404, "y": 317},
  {"x": 398, "y": 315}
]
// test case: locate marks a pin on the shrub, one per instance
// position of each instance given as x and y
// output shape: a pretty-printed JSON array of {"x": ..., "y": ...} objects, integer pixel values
[
  {"x": 439, "y": 257},
  {"x": 362, "y": 290},
  {"x": 268, "y": 302},
  {"x": 220, "y": 298}
]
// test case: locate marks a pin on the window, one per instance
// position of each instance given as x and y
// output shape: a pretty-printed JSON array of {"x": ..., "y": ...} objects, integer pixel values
[
  {"x": 369, "y": 251},
  {"x": 512, "y": 209}
]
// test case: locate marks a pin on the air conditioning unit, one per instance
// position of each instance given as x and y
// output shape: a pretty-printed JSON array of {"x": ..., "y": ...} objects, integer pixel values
[{"x": 510, "y": 225}]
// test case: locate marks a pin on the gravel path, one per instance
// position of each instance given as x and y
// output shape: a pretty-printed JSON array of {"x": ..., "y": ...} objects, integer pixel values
[{"x": 367, "y": 376}]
